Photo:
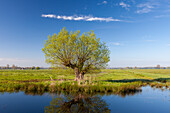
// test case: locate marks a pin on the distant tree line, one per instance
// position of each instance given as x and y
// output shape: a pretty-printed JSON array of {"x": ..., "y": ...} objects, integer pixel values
[
  {"x": 18, "y": 67},
  {"x": 156, "y": 67}
]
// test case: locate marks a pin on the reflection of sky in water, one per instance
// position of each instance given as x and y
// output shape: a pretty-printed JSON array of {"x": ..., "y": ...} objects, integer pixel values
[{"x": 148, "y": 101}]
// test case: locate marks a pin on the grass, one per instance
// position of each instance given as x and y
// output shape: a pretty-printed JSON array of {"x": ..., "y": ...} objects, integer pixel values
[{"x": 117, "y": 81}]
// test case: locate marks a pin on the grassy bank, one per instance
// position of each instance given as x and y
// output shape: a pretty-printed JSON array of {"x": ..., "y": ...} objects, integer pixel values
[{"x": 108, "y": 80}]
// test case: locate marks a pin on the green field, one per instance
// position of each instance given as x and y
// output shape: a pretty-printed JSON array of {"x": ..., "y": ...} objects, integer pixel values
[{"x": 115, "y": 80}]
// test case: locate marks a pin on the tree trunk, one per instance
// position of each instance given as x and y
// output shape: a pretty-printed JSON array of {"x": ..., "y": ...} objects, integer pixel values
[
  {"x": 78, "y": 75},
  {"x": 81, "y": 76}
]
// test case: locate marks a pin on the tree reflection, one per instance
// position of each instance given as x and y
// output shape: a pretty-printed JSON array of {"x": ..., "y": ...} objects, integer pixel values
[
  {"x": 77, "y": 103},
  {"x": 129, "y": 93}
]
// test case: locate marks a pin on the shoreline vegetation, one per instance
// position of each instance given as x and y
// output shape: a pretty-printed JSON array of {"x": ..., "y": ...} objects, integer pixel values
[{"x": 108, "y": 81}]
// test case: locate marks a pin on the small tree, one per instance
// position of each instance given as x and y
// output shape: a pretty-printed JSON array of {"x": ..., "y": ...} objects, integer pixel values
[
  {"x": 37, "y": 68},
  {"x": 80, "y": 53},
  {"x": 33, "y": 67},
  {"x": 13, "y": 66},
  {"x": 7, "y": 66}
]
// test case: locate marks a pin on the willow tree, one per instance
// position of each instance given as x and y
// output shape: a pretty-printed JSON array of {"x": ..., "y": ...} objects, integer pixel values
[{"x": 79, "y": 52}]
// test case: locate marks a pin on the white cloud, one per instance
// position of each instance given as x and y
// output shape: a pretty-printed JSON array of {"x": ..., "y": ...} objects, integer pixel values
[
  {"x": 103, "y": 3},
  {"x": 78, "y": 18},
  {"x": 145, "y": 5},
  {"x": 49, "y": 16},
  {"x": 124, "y": 5},
  {"x": 115, "y": 44},
  {"x": 144, "y": 8}
]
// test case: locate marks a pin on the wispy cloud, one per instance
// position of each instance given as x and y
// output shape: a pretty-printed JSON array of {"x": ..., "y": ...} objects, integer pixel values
[
  {"x": 124, "y": 5},
  {"x": 22, "y": 62},
  {"x": 13, "y": 59},
  {"x": 150, "y": 40},
  {"x": 102, "y": 3},
  {"x": 16, "y": 61},
  {"x": 162, "y": 16},
  {"x": 144, "y": 8},
  {"x": 79, "y": 18},
  {"x": 115, "y": 44}
]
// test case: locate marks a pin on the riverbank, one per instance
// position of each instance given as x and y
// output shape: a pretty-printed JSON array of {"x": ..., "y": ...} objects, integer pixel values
[{"x": 116, "y": 81}]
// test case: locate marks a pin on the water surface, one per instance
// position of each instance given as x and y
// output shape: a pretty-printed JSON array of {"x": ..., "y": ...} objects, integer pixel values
[{"x": 148, "y": 101}]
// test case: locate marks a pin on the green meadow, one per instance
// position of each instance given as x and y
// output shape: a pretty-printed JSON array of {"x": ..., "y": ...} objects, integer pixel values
[{"x": 107, "y": 80}]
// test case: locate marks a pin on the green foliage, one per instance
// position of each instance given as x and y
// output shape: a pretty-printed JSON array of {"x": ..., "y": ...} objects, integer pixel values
[
  {"x": 73, "y": 50},
  {"x": 37, "y": 68},
  {"x": 32, "y": 67}
]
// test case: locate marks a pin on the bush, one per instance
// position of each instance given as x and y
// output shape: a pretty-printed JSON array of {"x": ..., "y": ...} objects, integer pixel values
[{"x": 37, "y": 68}]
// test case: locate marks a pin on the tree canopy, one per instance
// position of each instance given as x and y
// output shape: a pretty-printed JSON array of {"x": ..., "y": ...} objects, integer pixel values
[{"x": 79, "y": 52}]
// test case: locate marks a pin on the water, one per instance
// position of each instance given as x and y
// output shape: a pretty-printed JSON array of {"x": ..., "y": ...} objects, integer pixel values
[{"x": 148, "y": 101}]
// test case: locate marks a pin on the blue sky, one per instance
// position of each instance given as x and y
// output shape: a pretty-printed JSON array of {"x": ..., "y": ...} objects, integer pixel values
[{"x": 136, "y": 31}]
